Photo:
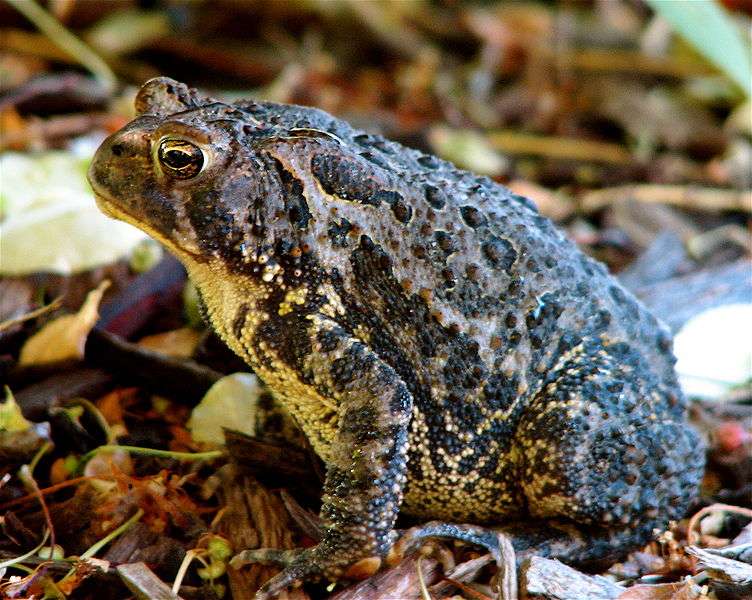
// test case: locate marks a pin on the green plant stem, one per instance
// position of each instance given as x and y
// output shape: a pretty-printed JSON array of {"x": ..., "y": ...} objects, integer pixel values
[
  {"x": 18, "y": 559},
  {"x": 183, "y": 456},
  {"x": 112, "y": 535}
]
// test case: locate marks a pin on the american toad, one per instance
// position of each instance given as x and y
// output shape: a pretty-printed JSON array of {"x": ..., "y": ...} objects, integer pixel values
[{"x": 447, "y": 351}]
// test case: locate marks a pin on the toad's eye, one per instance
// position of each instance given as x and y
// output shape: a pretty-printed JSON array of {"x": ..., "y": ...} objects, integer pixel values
[{"x": 180, "y": 159}]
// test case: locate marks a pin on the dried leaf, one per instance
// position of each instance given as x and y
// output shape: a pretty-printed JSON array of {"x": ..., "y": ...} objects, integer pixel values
[
  {"x": 467, "y": 149},
  {"x": 229, "y": 403},
  {"x": 179, "y": 343},
  {"x": 49, "y": 220},
  {"x": 65, "y": 337}
]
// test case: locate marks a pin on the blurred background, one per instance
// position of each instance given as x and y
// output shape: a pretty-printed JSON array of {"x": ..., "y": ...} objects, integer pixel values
[{"x": 628, "y": 122}]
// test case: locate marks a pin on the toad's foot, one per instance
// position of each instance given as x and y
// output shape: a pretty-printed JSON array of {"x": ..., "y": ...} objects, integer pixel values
[{"x": 305, "y": 565}]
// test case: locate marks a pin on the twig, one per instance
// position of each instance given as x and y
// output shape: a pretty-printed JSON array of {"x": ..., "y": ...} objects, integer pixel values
[
  {"x": 722, "y": 568},
  {"x": 251, "y": 66},
  {"x": 460, "y": 574},
  {"x": 515, "y": 142},
  {"x": 26, "y": 473},
  {"x": 739, "y": 510},
  {"x": 421, "y": 581},
  {"x": 33, "y": 44},
  {"x": 466, "y": 590},
  {"x": 678, "y": 299},
  {"x": 507, "y": 576},
  {"x": 184, "y": 380},
  {"x": 54, "y": 305},
  {"x": 48, "y": 490},
  {"x": 76, "y": 86},
  {"x": 18, "y": 559},
  {"x": 67, "y": 41},
  {"x": 614, "y": 60},
  {"x": 714, "y": 199},
  {"x": 62, "y": 126},
  {"x": 390, "y": 28}
]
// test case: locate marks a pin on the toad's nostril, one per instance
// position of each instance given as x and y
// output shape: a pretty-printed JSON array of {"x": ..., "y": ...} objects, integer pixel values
[{"x": 117, "y": 149}]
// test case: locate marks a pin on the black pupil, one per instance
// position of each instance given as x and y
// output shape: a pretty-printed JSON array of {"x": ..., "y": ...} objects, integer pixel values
[
  {"x": 183, "y": 157},
  {"x": 178, "y": 159}
]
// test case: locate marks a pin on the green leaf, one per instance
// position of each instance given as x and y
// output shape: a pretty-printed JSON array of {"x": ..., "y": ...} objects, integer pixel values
[
  {"x": 707, "y": 26},
  {"x": 11, "y": 418}
]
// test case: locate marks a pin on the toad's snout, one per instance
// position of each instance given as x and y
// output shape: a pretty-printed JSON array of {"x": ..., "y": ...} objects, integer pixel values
[{"x": 114, "y": 160}]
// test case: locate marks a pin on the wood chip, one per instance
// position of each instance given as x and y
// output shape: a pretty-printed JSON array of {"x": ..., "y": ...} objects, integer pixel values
[
  {"x": 552, "y": 580},
  {"x": 144, "y": 584},
  {"x": 400, "y": 582},
  {"x": 722, "y": 568}
]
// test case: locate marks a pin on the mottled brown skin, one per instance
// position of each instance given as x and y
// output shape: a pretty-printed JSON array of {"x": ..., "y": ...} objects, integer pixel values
[{"x": 447, "y": 351}]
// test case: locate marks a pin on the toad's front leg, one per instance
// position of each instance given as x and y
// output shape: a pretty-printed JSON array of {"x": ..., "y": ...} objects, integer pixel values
[{"x": 366, "y": 464}]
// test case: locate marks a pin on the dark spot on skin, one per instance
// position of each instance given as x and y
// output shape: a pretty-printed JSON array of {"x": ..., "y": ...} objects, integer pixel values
[
  {"x": 345, "y": 178},
  {"x": 375, "y": 159},
  {"x": 362, "y": 423},
  {"x": 500, "y": 253},
  {"x": 238, "y": 324},
  {"x": 401, "y": 210},
  {"x": 428, "y": 161},
  {"x": 450, "y": 279},
  {"x": 211, "y": 220},
  {"x": 338, "y": 231},
  {"x": 161, "y": 211},
  {"x": 445, "y": 242},
  {"x": 328, "y": 339},
  {"x": 295, "y": 202},
  {"x": 602, "y": 320},
  {"x": 349, "y": 366},
  {"x": 472, "y": 216},
  {"x": 435, "y": 197},
  {"x": 500, "y": 392},
  {"x": 400, "y": 402},
  {"x": 664, "y": 341},
  {"x": 387, "y": 196}
]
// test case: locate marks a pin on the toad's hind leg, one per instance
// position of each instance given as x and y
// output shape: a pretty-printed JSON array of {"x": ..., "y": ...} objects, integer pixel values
[
  {"x": 609, "y": 454},
  {"x": 602, "y": 462}
]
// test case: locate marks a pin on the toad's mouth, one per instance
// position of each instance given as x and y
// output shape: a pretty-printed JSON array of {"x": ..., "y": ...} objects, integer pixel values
[{"x": 114, "y": 210}]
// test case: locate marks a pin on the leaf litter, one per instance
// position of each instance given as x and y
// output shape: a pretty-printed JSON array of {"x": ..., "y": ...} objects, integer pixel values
[{"x": 616, "y": 126}]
